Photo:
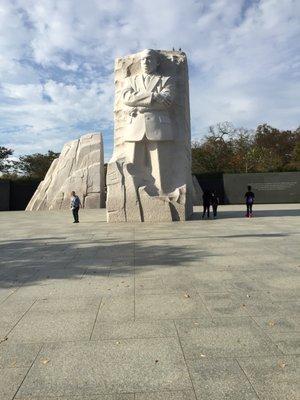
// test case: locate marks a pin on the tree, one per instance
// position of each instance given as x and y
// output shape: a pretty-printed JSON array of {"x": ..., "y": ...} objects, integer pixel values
[
  {"x": 295, "y": 162},
  {"x": 4, "y": 154},
  {"x": 214, "y": 153},
  {"x": 229, "y": 149},
  {"x": 277, "y": 145},
  {"x": 35, "y": 165}
]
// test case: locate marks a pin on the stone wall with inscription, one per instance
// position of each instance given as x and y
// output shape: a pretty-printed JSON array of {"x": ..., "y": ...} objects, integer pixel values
[{"x": 281, "y": 187}]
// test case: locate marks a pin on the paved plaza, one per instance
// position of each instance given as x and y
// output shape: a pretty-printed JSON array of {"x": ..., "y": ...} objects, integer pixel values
[{"x": 202, "y": 310}]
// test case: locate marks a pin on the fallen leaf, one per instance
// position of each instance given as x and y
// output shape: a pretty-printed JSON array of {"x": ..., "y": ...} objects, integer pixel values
[{"x": 282, "y": 364}]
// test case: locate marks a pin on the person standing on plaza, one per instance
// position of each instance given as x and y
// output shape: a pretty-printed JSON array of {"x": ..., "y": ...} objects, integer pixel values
[
  {"x": 75, "y": 204},
  {"x": 214, "y": 203},
  {"x": 249, "y": 196},
  {"x": 206, "y": 203}
]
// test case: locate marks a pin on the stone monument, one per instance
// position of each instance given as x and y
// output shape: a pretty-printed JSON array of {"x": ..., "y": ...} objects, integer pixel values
[
  {"x": 149, "y": 174},
  {"x": 197, "y": 192},
  {"x": 80, "y": 167}
]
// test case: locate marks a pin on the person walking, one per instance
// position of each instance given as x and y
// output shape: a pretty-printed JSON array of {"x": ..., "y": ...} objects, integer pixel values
[
  {"x": 214, "y": 203},
  {"x": 206, "y": 203},
  {"x": 75, "y": 204},
  {"x": 249, "y": 196}
]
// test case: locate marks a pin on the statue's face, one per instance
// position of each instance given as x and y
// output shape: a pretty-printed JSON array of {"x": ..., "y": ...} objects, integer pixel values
[{"x": 148, "y": 63}]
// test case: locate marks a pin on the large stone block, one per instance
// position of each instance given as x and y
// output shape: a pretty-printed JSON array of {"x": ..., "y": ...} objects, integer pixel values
[
  {"x": 80, "y": 167},
  {"x": 197, "y": 192},
  {"x": 149, "y": 174}
]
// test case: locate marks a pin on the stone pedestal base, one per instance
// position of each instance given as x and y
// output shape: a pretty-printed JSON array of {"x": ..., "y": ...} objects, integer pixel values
[{"x": 126, "y": 203}]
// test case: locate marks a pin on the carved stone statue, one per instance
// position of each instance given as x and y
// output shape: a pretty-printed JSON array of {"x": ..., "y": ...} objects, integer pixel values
[{"x": 149, "y": 177}]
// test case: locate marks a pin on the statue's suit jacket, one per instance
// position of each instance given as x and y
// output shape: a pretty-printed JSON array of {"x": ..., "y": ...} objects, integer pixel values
[{"x": 147, "y": 117}]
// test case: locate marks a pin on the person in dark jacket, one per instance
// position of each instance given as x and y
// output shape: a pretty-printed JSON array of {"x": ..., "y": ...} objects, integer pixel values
[
  {"x": 249, "y": 197},
  {"x": 214, "y": 203},
  {"x": 75, "y": 204},
  {"x": 206, "y": 203}
]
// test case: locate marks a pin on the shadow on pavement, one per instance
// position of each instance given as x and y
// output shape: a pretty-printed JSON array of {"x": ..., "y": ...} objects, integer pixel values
[
  {"x": 256, "y": 214},
  {"x": 34, "y": 261}
]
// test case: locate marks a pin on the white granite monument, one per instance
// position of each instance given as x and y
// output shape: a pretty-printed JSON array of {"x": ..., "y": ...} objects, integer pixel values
[
  {"x": 197, "y": 192},
  {"x": 80, "y": 167},
  {"x": 149, "y": 174}
]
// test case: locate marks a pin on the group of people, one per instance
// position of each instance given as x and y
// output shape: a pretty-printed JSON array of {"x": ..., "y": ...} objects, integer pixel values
[{"x": 210, "y": 199}]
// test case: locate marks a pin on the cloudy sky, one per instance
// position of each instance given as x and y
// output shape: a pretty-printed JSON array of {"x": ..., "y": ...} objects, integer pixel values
[{"x": 57, "y": 57}]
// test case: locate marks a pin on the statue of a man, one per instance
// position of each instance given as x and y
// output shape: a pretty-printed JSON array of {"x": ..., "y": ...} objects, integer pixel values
[{"x": 149, "y": 134}]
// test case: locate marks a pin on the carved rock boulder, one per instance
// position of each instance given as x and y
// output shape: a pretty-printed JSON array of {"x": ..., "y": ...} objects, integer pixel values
[{"x": 80, "y": 167}]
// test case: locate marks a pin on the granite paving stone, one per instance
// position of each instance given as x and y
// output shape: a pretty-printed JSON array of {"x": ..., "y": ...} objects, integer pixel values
[
  {"x": 273, "y": 378},
  {"x": 221, "y": 304},
  {"x": 10, "y": 380},
  {"x": 117, "y": 309},
  {"x": 225, "y": 337},
  {"x": 6, "y": 292},
  {"x": 108, "y": 367},
  {"x": 220, "y": 379},
  {"x": 279, "y": 323},
  {"x": 17, "y": 355},
  {"x": 124, "y": 396},
  {"x": 56, "y": 320},
  {"x": 178, "y": 395},
  {"x": 134, "y": 330},
  {"x": 169, "y": 306},
  {"x": 287, "y": 342},
  {"x": 11, "y": 311}
]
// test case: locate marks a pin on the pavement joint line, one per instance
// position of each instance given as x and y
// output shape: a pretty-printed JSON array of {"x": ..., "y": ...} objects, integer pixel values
[
  {"x": 3, "y": 301},
  {"x": 186, "y": 364},
  {"x": 253, "y": 388},
  {"x": 31, "y": 365},
  {"x": 23, "y": 315},
  {"x": 97, "y": 313},
  {"x": 204, "y": 304},
  {"x": 266, "y": 334}
]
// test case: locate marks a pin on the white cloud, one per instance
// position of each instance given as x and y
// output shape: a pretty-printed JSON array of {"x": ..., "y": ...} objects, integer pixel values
[{"x": 56, "y": 63}]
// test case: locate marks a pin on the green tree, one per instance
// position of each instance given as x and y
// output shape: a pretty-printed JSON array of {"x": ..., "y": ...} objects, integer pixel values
[
  {"x": 229, "y": 149},
  {"x": 278, "y": 146},
  {"x": 4, "y": 163},
  {"x": 214, "y": 153},
  {"x": 35, "y": 165},
  {"x": 295, "y": 162}
]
